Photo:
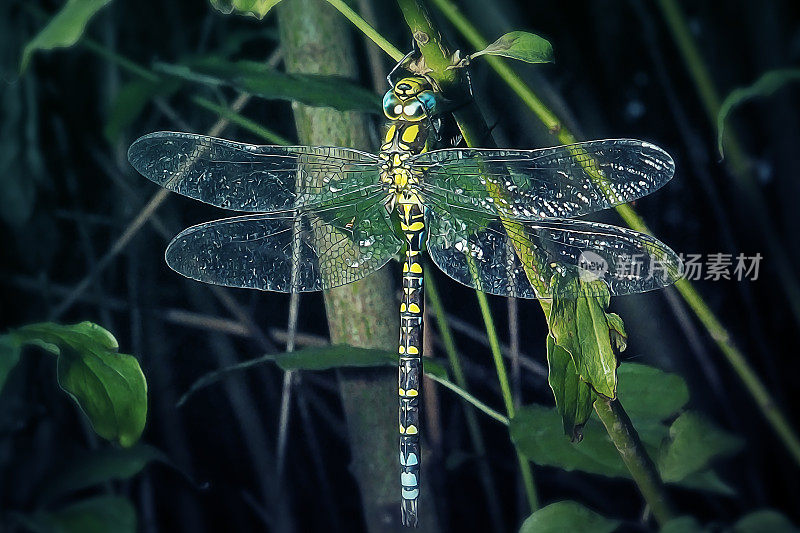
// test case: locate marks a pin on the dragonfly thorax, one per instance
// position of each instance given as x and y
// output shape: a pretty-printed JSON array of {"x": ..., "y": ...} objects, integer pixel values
[{"x": 403, "y": 140}]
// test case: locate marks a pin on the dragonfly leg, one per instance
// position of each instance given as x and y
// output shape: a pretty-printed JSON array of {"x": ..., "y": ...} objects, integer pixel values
[{"x": 398, "y": 66}]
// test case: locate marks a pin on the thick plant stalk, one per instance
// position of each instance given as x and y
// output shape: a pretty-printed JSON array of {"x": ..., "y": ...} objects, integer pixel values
[
  {"x": 316, "y": 40},
  {"x": 635, "y": 457}
]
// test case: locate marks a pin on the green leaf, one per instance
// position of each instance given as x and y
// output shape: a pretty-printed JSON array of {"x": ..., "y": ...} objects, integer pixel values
[
  {"x": 580, "y": 326},
  {"x": 101, "y": 514},
  {"x": 261, "y": 80},
  {"x": 434, "y": 368},
  {"x": 537, "y": 432},
  {"x": 617, "y": 329},
  {"x": 708, "y": 481},
  {"x": 108, "y": 386},
  {"x": 99, "y": 466},
  {"x": 694, "y": 443},
  {"x": 763, "y": 86},
  {"x": 522, "y": 46},
  {"x": 682, "y": 524},
  {"x": 64, "y": 29},
  {"x": 341, "y": 356},
  {"x": 574, "y": 398},
  {"x": 131, "y": 101},
  {"x": 647, "y": 392},
  {"x": 9, "y": 357},
  {"x": 764, "y": 520},
  {"x": 567, "y": 516},
  {"x": 322, "y": 358},
  {"x": 251, "y": 8}
]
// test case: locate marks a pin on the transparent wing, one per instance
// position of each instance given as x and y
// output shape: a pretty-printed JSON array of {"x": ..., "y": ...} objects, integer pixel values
[
  {"x": 559, "y": 182},
  {"x": 482, "y": 252},
  {"x": 248, "y": 177},
  {"x": 301, "y": 251}
]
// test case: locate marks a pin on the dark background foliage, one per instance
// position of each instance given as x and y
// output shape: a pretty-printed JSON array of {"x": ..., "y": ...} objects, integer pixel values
[{"x": 68, "y": 194}]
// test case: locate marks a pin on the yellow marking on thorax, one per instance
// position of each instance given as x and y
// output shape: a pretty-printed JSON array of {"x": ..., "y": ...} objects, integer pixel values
[
  {"x": 410, "y": 133},
  {"x": 390, "y": 133}
]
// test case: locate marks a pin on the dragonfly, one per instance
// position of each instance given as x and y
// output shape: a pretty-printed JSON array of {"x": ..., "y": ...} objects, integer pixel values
[{"x": 498, "y": 220}]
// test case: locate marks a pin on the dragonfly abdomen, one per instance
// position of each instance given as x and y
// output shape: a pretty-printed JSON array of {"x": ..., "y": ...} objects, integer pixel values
[{"x": 410, "y": 363}]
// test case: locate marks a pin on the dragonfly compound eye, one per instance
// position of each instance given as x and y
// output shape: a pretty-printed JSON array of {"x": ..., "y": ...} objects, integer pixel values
[
  {"x": 392, "y": 107},
  {"x": 421, "y": 106}
]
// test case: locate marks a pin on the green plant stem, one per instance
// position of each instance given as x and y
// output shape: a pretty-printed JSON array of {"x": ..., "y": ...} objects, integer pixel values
[
  {"x": 737, "y": 360},
  {"x": 505, "y": 388},
  {"x": 735, "y": 357},
  {"x": 367, "y": 29},
  {"x": 471, "y": 399},
  {"x": 633, "y": 454},
  {"x": 446, "y": 334},
  {"x": 736, "y": 159},
  {"x": 493, "y": 504},
  {"x": 494, "y": 347},
  {"x": 121, "y": 61}
]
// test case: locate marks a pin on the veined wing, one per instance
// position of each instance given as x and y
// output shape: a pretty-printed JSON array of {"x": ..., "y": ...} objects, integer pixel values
[
  {"x": 299, "y": 251},
  {"x": 248, "y": 177},
  {"x": 482, "y": 252},
  {"x": 558, "y": 182}
]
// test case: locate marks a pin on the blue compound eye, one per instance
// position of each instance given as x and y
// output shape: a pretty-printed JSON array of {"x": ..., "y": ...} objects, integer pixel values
[
  {"x": 392, "y": 107},
  {"x": 428, "y": 100},
  {"x": 423, "y": 104}
]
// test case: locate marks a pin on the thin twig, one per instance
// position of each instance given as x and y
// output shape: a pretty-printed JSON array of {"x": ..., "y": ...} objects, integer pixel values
[{"x": 288, "y": 376}]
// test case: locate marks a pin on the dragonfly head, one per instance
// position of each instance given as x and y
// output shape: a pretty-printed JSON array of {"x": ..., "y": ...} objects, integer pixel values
[{"x": 411, "y": 99}]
